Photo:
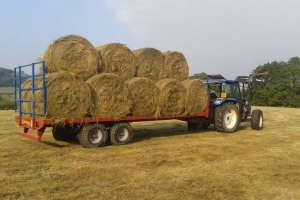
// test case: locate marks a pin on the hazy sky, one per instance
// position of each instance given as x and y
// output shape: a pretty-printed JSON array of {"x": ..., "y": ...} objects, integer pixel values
[{"x": 230, "y": 37}]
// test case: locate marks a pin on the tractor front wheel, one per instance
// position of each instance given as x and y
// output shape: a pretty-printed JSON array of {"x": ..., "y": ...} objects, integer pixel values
[{"x": 257, "y": 120}]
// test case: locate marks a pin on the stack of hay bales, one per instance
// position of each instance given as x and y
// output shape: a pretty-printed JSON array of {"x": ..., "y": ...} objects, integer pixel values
[
  {"x": 111, "y": 96},
  {"x": 118, "y": 59},
  {"x": 113, "y": 81},
  {"x": 150, "y": 63}
]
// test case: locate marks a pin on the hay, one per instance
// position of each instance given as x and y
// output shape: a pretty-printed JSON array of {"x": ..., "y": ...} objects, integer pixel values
[
  {"x": 175, "y": 66},
  {"x": 195, "y": 97},
  {"x": 68, "y": 96},
  {"x": 74, "y": 54},
  {"x": 171, "y": 97},
  {"x": 118, "y": 59},
  {"x": 112, "y": 97},
  {"x": 150, "y": 63},
  {"x": 144, "y": 95}
]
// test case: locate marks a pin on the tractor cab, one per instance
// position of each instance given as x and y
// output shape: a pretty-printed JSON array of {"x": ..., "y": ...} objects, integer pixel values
[{"x": 223, "y": 91}]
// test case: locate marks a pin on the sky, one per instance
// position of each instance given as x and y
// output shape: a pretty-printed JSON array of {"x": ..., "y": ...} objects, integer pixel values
[{"x": 230, "y": 37}]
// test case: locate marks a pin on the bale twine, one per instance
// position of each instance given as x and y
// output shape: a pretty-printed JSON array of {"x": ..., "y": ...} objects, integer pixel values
[
  {"x": 118, "y": 59},
  {"x": 111, "y": 95},
  {"x": 68, "y": 96},
  {"x": 144, "y": 95},
  {"x": 195, "y": 96},
  {"x": 150, "y": 63},
  {"x": 74, "y": 54},
  {"x": 171, "y": 97},
  {"x": 175, "y": 66}
]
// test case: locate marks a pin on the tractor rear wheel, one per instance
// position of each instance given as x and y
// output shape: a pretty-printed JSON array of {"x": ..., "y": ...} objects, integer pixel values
[
  {"x": 121, "y": 134},
  {"x": 257, "y": 120},
  {"x": 227, "y": 118},
  {"x": 93, "y": 135}
]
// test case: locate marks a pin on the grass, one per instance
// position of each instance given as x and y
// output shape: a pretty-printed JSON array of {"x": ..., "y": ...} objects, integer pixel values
[{"x": 164, "y": 161}]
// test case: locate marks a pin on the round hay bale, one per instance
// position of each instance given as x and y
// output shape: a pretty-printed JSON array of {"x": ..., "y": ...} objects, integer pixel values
[
  {"x": 118, "y": 59},
  {"x": 111, "y": 95},
  {"x": 195, "y": 96},
  {"x": 74, "y": 54},
  {"x": 171, "y": 97},
  {"x": 175, "y": 66},
  {"x": 68, "y": 96},
  {"x": 144, "y": 95},
  {"x": 150, "y": 63}
]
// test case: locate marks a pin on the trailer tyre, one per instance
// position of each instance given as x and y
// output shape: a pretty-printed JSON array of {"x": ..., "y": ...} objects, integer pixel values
[
  {"x": 257, "y": 120},
  {"x": 227, "y": 118},
  {"x": 121, "y": 134},
  {"x": 65, "y": 134},
  {"x": 93, "y": 135}
]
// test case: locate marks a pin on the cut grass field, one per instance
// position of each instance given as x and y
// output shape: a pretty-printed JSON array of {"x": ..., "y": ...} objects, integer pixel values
[{"x": 164, "y": 161}]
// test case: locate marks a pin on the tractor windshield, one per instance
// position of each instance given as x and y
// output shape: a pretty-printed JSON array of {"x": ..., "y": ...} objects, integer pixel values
[{"x": 232, "y": 90}]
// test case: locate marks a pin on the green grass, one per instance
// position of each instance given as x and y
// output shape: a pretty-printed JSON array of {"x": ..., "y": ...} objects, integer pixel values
[{"x": 164, "y": 161}]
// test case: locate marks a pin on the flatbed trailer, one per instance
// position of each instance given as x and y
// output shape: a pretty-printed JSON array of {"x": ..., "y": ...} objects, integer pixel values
[
  {"x": 91, "y": 132},
  {"x": 40, "y": 124}
]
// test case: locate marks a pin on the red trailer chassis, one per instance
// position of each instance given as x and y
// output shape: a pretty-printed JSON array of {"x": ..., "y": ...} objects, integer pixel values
[{"x": 40, "y": 124}]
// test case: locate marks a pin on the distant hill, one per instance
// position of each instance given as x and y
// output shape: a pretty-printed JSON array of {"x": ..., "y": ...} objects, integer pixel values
[{"x": 7, "y": 77}]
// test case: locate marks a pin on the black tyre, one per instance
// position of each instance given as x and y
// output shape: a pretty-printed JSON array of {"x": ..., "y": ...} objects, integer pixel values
[
  {"x": 93, "y": 135},
  {"x": 121, "y": 133},
  {"x": 192, "y": 126},
  {"x": 257, "y": 122},
  {"x": 205, "y": 125},
  {"x": 66, "y": 133},
  {"x": 227, "y": 118}
]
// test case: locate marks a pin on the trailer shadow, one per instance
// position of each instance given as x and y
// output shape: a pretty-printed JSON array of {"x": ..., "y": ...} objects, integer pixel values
[{"x": 156, "y": 130}]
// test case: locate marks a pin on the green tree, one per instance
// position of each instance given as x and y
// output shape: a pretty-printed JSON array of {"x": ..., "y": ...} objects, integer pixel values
[
  {"x": 201, "y": 76},
  {"x": 283, "y": 89}
]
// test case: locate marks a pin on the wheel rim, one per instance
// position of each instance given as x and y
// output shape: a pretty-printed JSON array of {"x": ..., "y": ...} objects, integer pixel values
[
  {"x": 230, "y": 118},
  {"x": 95, "y": 136},
  {"x": 122, "y": 134}
]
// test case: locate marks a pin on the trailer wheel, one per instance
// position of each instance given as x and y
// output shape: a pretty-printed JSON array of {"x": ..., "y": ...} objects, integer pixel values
[
  {"x": 67, "y": 133},
  {"x": 227, "y": 118},
  {"x": 257, "y": 120},
  {"x": 121, "y": 133},
  {"x": 93, "y": 135}
]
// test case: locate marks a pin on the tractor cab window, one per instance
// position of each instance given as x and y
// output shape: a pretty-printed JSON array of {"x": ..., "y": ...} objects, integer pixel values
[{"x": 232, "y": 90}]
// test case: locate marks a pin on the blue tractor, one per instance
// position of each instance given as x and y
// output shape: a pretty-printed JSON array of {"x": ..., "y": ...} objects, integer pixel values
[{"x": 229, "y": 105}]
